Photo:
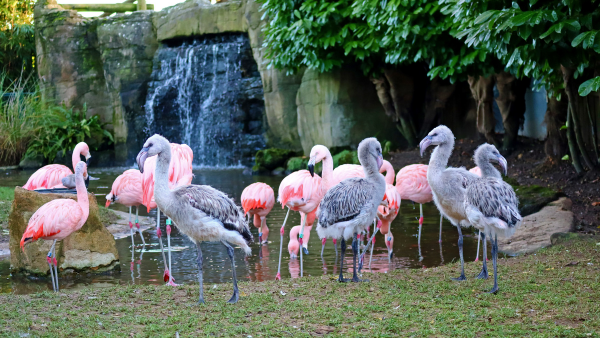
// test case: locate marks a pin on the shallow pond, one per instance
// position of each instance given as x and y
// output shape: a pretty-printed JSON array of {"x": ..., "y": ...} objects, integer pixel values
[{"x": 145, "y": 266}]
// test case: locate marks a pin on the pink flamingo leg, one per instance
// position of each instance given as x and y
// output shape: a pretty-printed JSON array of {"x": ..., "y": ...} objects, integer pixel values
[
  {"x": 441, "y": 219},
  {"x": 361, "y": 257},
  {"x": 137, "y": 225},
  {"x": 131, "y": 228},
  {"x": 49, "y": 259},
  {"x": 478, "y": 241},
  {"x": 278, "y": 277},
  {"x": 303, "y": 221},
  {"x": 420, "y": 226},
  {"x": 335, "y": 246},
  {"x": 171, "y": 281},
  {"x": 167, "y": 273},
  {"x": 323, "y": 241},
  {"x": 55, "y": 265}
]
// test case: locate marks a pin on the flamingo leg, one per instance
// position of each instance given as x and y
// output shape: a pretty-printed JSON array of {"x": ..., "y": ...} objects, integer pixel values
[
  {"x": 460, "y": 252},
  {"x": 495, "y": 262},
  {"x": 420, "y": 226},
  {"x": 478, "y": 241},
  {"x": 355, "y": 278},
  {"x": 278, "y": 277},
  {"x": 162, "y": 250},
  {"x": 55, "y": 264},
  {"x": 169, "y": 251},
  {"x": 303, "y": 221},
  {"x": 343, "y": 246},
  {"x": 137, "y": 225},
  {"x": 441, "y": 219},
  {"x": 132, "y": 262},
  {"x": 367, "y": 247},
  {"x": 484, "y": 271},
  {"x": 200, "y": 276},
  {"x": 236, "y": 292},
  {"x": 371, "y": 255},
  {"x": 49, "y": 259},
  {"x": 323, "y": 241},
  {"x": 335, "y": 247},
  {"x": 131, "y": 231}
]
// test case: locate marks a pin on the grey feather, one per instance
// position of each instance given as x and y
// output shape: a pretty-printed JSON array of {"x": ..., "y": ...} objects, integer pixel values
[{"x": 344, "y": 201}]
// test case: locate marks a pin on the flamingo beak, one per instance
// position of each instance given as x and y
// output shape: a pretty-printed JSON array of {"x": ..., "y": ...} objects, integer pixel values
[
  {"x": 503, "y": 164},
  {"x": 379, "y": 161},
  {"x": 425, "y": 143},
  {"x": 141, "y": 158},
  {"x": 87, "y": 159},
  {"x": 311, "y": 166},
  {"x": 107, "y": 203}
]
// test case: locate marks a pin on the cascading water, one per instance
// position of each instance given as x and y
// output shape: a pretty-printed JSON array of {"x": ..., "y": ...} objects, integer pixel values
[{"x": 207, "y": 93}]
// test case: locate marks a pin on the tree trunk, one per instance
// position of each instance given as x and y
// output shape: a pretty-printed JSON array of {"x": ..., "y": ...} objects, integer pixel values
[
  {"x": 577, "y": 115},
  {"x": 396, "y": 97},
  {"x": 482, "y": 89},
  {"x": 572, "y": 146},
  {"x": 511, "y": 103},
  {"x": 556, "y": 117},
  {"x": 435, "y": 103}
]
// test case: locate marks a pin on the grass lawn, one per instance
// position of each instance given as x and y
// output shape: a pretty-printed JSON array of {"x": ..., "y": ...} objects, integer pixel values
[{"x": 552, "y": 293}]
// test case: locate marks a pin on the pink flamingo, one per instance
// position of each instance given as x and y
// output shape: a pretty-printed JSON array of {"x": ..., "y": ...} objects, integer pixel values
[
  {"x": 57, "y": 219},
  {"x": 127, "y": 190},
  {"x": 294, "y": 243},
  {"x": 387, "y": 214},
  {"x": 299, "y": 191},
  {"x": 258, "y": 200},
  {"x": 51, "y": 176},
  {"x": 180, "y": 174}
]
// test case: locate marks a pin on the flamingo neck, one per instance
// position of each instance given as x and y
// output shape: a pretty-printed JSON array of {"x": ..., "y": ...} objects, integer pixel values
[
  {"x": 487, "y": 169},
  {"x": 439, "y": 158},
  {"x": 389, "y": 172},
  {"x": 162, "y": 191},
  {"x": 327, "y": 174},
  {"x": 76, "y": 157},
  {"x": 82, "y": 199}
]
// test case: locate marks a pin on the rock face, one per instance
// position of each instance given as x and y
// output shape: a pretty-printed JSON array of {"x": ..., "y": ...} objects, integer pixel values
[
  {"x": 537, "y": 229},
  {"x": 338, "y": 109},
  {"x": 91, "y": 249},
  {"x": 127, "y": 44}
]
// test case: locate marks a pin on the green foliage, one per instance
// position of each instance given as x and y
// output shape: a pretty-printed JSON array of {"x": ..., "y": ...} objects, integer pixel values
[
  {"x": 271, "y": 158},
  {"x": 532, "y": 38},
  {"x": 296, "y": 163},
  {"x": 20, "y": 113},
  {"x": 64, "y": 128},
  {"x": 17, "y": 42},
  {"x": 323, "y": 35},
  {"x": 345, "y": 157}
]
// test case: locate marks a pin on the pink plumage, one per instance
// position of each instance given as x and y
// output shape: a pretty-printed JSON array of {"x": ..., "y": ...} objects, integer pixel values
[
  {"x": 50, "y": 176},
  {"x": 127, "y": 189},
  {"x": 258, "y": 198},
  {"x": 346, "y": 171},
  {"x": 389, "y": 213},
  {"x": 300, "y": 191},
  {"x": 180, "y": 172},
  {"x": 411, "y": 183},
  {"x": 476, "y": 171}
]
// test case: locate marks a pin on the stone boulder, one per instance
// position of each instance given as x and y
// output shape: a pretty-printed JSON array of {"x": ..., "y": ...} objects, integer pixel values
[
  {"x": 91, "y": 249},
  {"x": 537, "y": 229},
  {"x": 340, "y": 109}
]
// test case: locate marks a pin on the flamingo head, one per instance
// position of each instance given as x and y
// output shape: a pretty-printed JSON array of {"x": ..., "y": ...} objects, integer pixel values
[
  {"x": 439, "y": 135},
  {"x": 317, "y": 154},
  {"x": 369, "y": 149},
  {"x": 155, "y": 145},
  {"x": 489, "y": 153},
  {"x": 110, "y": 198}
]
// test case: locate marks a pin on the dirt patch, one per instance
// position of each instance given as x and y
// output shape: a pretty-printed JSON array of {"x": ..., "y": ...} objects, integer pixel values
[{"x": 528, "y": 165}]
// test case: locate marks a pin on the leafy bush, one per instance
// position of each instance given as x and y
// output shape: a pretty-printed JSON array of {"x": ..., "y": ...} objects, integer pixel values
[
  {"x": 17, "y": 42},
  {"x": 64, "y": 128}
]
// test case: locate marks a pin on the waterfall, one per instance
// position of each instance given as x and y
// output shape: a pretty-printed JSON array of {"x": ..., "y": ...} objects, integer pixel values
[{"x": 207, "y": 93}]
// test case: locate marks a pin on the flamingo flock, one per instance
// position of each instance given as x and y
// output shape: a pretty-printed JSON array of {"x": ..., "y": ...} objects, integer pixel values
[{"x": 343, "y": 201}]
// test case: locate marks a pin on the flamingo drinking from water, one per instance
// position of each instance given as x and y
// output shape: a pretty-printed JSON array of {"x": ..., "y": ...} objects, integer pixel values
[
  {"x": 127, "y": 190},
  {"x": 258, "y": 200},
  {"x": 180, "y": 174},
  {"x": 51, "y": 176},
  {"x": 200, "y": 212},
  {"x": 57, "y": 219},
  {"x": 387, "y": 214}
]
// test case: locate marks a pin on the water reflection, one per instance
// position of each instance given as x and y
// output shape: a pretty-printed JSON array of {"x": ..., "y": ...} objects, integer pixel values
[{"x": 144, "y": 264}]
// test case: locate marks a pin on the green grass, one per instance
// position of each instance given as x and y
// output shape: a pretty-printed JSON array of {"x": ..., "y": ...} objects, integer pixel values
[
  {"x": 7, "y": 195},
  {"x": 539, "y": 296}
]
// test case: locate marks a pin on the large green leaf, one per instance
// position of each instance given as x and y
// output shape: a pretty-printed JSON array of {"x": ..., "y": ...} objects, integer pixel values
[{"x": 591, "y": 85}]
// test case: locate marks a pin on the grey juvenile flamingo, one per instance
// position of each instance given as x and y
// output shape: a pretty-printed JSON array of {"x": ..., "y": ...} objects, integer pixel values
[
  {"x": 200, "y": 212},
  {"x": 447, "y": 184},
  {"x": 351, "y": 206},
  {"x": 491, "y": 205}
]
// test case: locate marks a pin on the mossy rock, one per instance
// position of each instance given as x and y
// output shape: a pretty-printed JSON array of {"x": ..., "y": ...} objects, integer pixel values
[
  {"x": 296, "y": 163},
  {"x": 532, "y": 198},
  {"x": 345, "y": 157},
  {"x": 269, "y": 159}
]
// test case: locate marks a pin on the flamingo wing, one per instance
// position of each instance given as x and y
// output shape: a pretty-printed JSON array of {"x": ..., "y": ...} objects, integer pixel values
[
  {"x": 258, "y": 196},
  {"x": 56, "y": 219},
  {"x": 344, "y": 201},
  {"x": 47, "y": 177},
  {"x": 299, "y": 188}
]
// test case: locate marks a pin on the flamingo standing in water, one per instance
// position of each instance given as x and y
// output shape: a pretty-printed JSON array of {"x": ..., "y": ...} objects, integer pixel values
[
  {"x": 57, "y": 219},
  {"x": 180, "y": 174},
  {"x": 258, "y": 200},
  {"x": 387, "y": 214},
  {"x": 127, "y": 190},
  {"x": 51, "y": 176},
  {"x": 294, "y": 243},
  {"x": 299, "y": 191}
]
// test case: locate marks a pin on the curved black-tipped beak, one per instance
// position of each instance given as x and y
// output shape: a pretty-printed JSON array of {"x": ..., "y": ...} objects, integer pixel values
[
  {"x": 141, "y": 159},
  {"x": 503, "y": 164},
  {"x": 311, "y": 170},
  {"x": 425, "y": 143}
]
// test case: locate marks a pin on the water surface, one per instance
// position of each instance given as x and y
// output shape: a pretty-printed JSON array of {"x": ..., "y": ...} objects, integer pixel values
[{"x": 145, "y": 266}]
